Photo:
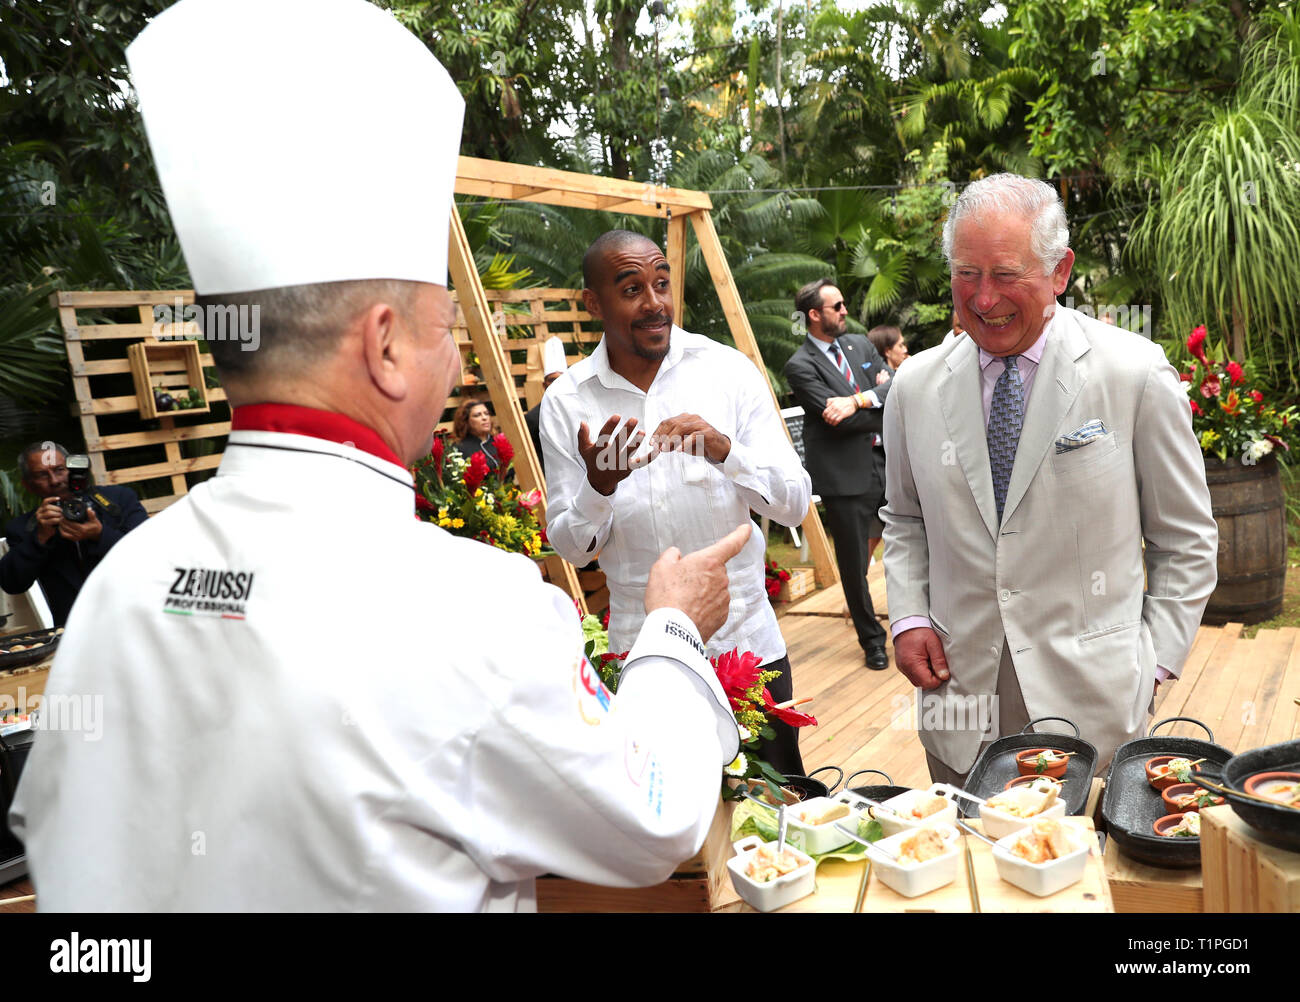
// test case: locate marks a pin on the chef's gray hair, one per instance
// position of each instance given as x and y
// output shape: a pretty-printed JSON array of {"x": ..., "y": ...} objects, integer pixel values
[
  {"x": 1049, "y": 232},
  {"x": 300, "y": 324}
]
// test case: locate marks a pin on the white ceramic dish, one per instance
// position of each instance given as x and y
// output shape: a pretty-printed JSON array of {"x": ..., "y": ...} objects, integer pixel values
[
  {"x": 817, "y": 839},
  {"x": 773, "y": 894},
  {"x": 1042, "y": 879},
  {"x": 892, "y": 824},
  {"x": 914, "y": 879},
  {"x": 998, "y": 824}
]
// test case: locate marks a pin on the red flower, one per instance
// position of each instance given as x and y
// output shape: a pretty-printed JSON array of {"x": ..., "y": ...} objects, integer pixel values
[
  {"x": 784, "y": 575},
  {"x": 505, "y": 450},
  {"x": 607, "y": 658},
  {"x": 773, "y": 586},
  {"x": 1232, "y": 404},
  {"x": 1196, "y": 408},
  {"x": 1187, "y": 377},
  {"x": 542, "y": 533},
  {"x": 423, "y": 503},
  {"x": 736, "y": 673},
  {"x": 1256, "y": 396},
  {"x": 604, "y": 620},
  {"x": 1210, "y": 385},
  {"x": 785, "y": 714},
  {"x": 531, "y": 500},
  {"x": 1235, "y": 372},
  {"x": 439, "y": 447},
  {"x": 476, "y": 471},
  {"x": 1196, "y": 342},
  {"x": 1277, "y": 441}
]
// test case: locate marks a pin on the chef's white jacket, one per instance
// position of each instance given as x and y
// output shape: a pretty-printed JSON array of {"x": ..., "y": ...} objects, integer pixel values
[{"x": 313, "y": 701}]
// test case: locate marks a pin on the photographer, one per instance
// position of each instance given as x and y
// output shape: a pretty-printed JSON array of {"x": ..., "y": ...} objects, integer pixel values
[{"x": 65, "y": 538}]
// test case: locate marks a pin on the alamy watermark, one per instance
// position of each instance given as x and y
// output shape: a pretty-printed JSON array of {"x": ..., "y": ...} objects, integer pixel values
[
  {"x": 215, "y": 322},
  {"x": 932, "y": 711},
  {"x": 83, "y": 713},
  {"x": 1126, "y": 316}
]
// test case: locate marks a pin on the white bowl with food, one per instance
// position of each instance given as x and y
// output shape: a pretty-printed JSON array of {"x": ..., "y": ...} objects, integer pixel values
[
  {"x": 767, "y": 880},
  {"x": 811, "y": 826},
  {"x": 1046, "y": 857},
  {"x": 925, "y": 859},
  {"x": 911, "y": 810},
  {"x": 1012, "y": 809}
]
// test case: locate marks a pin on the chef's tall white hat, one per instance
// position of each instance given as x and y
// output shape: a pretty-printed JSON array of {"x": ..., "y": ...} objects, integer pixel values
[
  {"x": 299, "y": 141},
  {"x": 553, "y": 359}
]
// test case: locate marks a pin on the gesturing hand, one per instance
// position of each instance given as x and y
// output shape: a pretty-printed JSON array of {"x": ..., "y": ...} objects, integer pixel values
[
  {"x": 690, "y": 433},
  {"x": 609, "y": 458},
  {"x": 696, "y": 583},
  {"x": 919, "y": 655}
]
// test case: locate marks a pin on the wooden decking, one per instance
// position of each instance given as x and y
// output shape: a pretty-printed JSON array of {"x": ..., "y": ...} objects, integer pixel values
[{"x": 1244, "y": 690}]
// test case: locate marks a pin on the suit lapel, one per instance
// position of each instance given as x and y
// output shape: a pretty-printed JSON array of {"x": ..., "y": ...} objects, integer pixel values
[
  {"x": 833, "y": 374},
  {"x": 1056, "y": 384},
  {"x": 961, "y": 398}
]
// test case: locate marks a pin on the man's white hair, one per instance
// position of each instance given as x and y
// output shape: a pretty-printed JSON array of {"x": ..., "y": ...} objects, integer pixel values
[{"x": 1049, "y": 233}]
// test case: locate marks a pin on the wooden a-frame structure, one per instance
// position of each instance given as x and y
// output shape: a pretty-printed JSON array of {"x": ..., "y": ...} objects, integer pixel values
[{"x": 516, "y": 182}]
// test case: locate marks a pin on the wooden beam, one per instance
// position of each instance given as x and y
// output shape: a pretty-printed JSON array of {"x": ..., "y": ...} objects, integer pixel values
[
  {"x": 738, "y": 322},
  {"x": 676, "y": 253},
  {"x": 501, "y": 384},
  {"x": 493, "y": 179}
]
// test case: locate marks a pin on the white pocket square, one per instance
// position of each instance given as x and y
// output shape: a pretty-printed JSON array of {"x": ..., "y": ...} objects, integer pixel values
[{"x": 1083, "y": 435}]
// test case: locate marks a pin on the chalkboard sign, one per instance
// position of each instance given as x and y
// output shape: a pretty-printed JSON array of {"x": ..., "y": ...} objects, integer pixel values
[{"x": 793, "y": 417}]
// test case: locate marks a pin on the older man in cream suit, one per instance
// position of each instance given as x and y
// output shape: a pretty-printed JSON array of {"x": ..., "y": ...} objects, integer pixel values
[{"x": 1026, "y": 466}]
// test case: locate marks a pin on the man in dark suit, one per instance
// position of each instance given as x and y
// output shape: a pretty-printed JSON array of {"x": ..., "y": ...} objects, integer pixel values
[{"x": 841, "y": 382}]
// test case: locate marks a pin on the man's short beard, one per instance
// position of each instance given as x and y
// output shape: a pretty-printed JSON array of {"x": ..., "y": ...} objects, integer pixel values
[{"x": 650, "y": 354}]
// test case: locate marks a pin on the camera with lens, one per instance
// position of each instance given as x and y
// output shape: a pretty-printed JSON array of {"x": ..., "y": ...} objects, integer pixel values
[{"x": 76, "y": 507}]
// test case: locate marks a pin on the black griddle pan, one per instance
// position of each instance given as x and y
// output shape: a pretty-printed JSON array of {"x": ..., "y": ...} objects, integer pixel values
[{"x": 996, "y": 766}]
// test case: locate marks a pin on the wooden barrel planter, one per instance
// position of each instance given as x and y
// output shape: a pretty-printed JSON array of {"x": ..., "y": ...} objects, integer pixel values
[{"x": 1250, "y": 509}]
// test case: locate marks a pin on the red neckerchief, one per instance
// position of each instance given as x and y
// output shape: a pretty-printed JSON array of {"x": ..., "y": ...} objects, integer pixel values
[{"x": 294, "y": 420}]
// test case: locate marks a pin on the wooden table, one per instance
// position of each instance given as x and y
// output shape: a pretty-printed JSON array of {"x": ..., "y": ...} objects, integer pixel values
[
  {"x": 1243, "y": 873},
  {"x": 1137, "y": 887}
]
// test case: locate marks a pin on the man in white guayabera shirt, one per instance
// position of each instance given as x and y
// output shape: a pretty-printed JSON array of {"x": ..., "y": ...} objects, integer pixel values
[{"x": 663, "y": 438}]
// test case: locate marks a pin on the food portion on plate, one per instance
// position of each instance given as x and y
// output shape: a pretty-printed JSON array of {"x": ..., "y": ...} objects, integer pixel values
[
  {"x": 1188, "y": 797},
  {"x": 1283, "y": 788},
  {"x": 922, "y": 847},
  {"x": 1026, "y": 801},
  {"x": 1042, "y": 762},
  {"x": 927, "y": 805},
  {"x": 767, "y": 864},
  {"x": 824, "y": 813},
  {"x": 1043, "y": 842},
  {"x": 1166, "y": 770},
  {"x": 1187, "y": 825}
]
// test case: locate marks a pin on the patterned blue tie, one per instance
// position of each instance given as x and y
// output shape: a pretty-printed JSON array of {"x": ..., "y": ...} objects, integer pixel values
[{"x": 1006, "y": 417}]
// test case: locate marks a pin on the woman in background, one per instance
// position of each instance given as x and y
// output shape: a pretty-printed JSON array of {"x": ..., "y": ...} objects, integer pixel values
[{"x": 471, "y": 429}]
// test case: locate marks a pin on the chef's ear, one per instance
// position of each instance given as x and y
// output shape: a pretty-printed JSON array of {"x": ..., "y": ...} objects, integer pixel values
[{"x": 383, "y": 349}]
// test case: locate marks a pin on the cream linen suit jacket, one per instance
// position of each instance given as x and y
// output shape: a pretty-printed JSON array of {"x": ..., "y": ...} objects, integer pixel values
[{"x": 1061, "y": 581}]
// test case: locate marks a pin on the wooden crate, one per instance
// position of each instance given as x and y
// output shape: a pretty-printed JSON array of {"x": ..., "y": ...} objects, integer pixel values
[
  {"x": 1136, "y": 887},
  {"x": 693, "y": 888},
  {"x": 157, "y": 364},
  {"x": 802, "y": 582},
  {"x": 1243, "y": 874}
]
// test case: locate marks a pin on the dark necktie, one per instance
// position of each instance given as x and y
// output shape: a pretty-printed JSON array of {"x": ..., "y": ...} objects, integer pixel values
[
  {"x": 843, "y": 364},
  {"x": 1006, "y": 418}
]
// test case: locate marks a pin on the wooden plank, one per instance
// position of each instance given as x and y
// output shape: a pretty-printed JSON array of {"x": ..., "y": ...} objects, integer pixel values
[
  {"x": 1213, "y": 686},
  {"x": 1171, "y": 696},
  {"x": 1274, "y": 656},
  {"x": 17, "y": 686},
  {"x": 155, "y": 505},
  {"x": 474, "y": 174},
  {"x": 676, "y": 254},
  {"x": 106, "y": 299},
  {"x": 1136, "y": 887},
  {"x": 157, "y": 436},
  {"x": 738, "y": 322},
  {"x": 160, "y": 471},
  {"x": 124, "y": 405},
  {"x": 487, "y": 345},
  {"x": 1253, "y": 656},
  {"x": 1284, "y": 722}
]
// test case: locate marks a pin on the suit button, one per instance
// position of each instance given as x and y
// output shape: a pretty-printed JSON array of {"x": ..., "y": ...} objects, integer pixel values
[{"x": 1004, "y": 595}]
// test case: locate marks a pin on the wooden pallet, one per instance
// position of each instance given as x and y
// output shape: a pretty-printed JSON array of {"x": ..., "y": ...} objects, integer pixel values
[{"x": 1242, "y": 873}]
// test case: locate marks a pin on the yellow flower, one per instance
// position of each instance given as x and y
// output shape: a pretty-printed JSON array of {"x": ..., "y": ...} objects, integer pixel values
[
  {"x": 442, "y": 513},
  {"x": 458, "y": 523},
  {"x": 1208, "y": 438}
]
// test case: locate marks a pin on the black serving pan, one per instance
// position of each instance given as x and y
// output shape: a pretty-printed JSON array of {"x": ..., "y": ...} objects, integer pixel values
[
  {"x": 809, "y": 787},
  {"x": 1131, "y": 805},
  {"x": 13, "y": 755},
  {"x": 877, "y": 793},
  {"x": 996, "y": 766},
  {"x": 48, "y": 640},
  {"x": 1278, "y": 826}
]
